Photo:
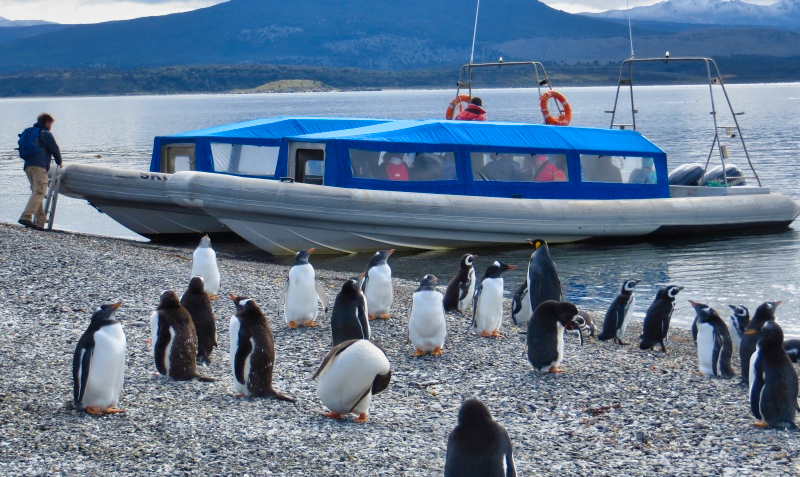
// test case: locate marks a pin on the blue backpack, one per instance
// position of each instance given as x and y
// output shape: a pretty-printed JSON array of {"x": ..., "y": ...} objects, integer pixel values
[{"x": 29, "y": 146}]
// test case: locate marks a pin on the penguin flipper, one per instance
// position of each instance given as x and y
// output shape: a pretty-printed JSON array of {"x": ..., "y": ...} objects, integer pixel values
[
  {"x": 363, "y": 318},
  {"x": 361, "y": 398},
  {"x": 475, "y": 298},
  {"x": 322, "y": 296},
  {"x": 464, "y": 287},
  {"x": 242, "y": 352},
  {"x": 81, "y": 362},
  {"x": 328, "y": 359},
  {"x": 756, "y": 386},
  {"x": 283, "y": 295}
]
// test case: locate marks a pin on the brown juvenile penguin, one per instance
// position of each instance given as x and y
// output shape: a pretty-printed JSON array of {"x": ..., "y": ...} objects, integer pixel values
[
  {"x": 198, "y": 303},
  {"x": 174, "y": 340}
]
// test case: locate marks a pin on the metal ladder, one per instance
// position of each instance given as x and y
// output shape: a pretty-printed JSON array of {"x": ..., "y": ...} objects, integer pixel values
[
  {"x": 714, "y": 79},
  {"x": 52, "y": 199}
]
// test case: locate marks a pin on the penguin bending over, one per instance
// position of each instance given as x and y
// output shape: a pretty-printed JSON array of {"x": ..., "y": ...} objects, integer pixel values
[
  {"x": 174, "y": 340},
  {"x": 376, "y": 283},
  {"x": 301, "y": 293},
  {"x": 773, "y": 380},
  {"x": 656, "y": 321},
  {"x": 545, "y": 339},
  {"x": 204, "y": 263},
  {"x": 714, "y": 345},
  {"x": 349, "y": 318},
  {"x": 198, "y": 304},
  {"x": 98, "y": 364},
  {"x": 461, "y": 287},
  {"x": 737, "y": 323},
  {"x": 252, "y": 351},
  {"x": 583, "y": 324},
  {"x": 619, "y": 314},
  {"x": 487, "y": 304},
  {"x": 764, "y": 313},
  {"x": 478, "y": 446},
  {"x": 350, "y": 374},
  {"x": 427, "y": 327}
]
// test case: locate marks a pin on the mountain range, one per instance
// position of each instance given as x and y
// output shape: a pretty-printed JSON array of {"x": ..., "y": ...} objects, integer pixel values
[{"x": 5, "y": 22}]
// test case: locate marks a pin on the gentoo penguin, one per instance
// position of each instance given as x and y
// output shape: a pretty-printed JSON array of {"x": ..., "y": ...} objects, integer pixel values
[
  {"x": 478, "y": 446},
  {"x": 656, "y": 321},
  {"x": 174, "y": 340},
  {"x": 301, "y": 293},
  {"x": 487, "y": 304},
  {"x": 98, "y": 365},
  {"x": 773, "y": 380},
  {"x": 349, "y": 375},
  {"x": 252, "y": 352},
  {"x": 349, "y": 318},
  {"x": 764, "y": 313},
  {"x": 198, "y": 304},
  {"x": 737, "y": 323},
  {"x": 546, "y": 334},
  {"x": 792, "y": 348},
  {"x": 543, "y": 281},
  {"x": 427, "y": 327},
  {"x": 204, "y": 263},
  {"x": 461, "y": 287},
  {"x": 619, "y": 314},
  {"x": 376, "y": 284},
  {"x": 714, "y": 345}
]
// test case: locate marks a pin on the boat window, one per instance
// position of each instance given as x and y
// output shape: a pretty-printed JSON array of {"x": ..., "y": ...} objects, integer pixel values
[
  {"x": 618, "y": 169},
  {"x": 519, "y": 167},
  {"x": 244, "y": 159},
  {"x": 310, "y": 167},
  {"x": 177, "y": 157},
  {"x": 400, "y": 166}
]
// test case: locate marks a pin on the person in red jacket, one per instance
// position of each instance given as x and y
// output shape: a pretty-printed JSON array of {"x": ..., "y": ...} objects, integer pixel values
[{"x": 474, "y": 111}]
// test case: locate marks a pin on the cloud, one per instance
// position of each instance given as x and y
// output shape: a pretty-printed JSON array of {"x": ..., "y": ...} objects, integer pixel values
[
  {"x": 577, "y": 6},
  {"x": 95, "y": 11}
]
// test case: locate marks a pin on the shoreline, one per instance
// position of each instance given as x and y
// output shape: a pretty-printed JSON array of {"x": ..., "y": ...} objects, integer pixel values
[{"x": 670, "y": 420}]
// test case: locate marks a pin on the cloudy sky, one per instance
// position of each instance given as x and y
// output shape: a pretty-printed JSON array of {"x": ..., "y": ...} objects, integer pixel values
[{"x": 94, "y": 11}]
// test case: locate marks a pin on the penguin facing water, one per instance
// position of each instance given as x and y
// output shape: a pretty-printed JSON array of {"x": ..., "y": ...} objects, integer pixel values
[
  {"x": 764, "y": 313},
  {"x": 376, "y": 284},
  {"x": 656, "y": 321},
  {"x": 174, "y": 340},
  {"x": 252, "y": 351},
  {"x": 619, "y": 314},
  {"x": 301, "y": 292},
  {"x": 545, "y": 338},
  {"x": 98, "y": 364},
  {"x": 737, "y": 323},
  {"x": 462, "y": 286},
  {"x": 349, "y": 318},
  {"x": 714, "y": 345},
  {"x": 543, "y": 281},
  {"x": 427, "y": 327},
  {"x": 773, "y": 380},
  {"x": 487, "y": 304},
  {"x": 204, "y": 263},
  {"x": 198, "y": 304},
  {"x": 478, "y": 446}
]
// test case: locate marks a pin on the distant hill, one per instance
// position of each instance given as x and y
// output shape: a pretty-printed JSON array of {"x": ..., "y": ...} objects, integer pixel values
[
  {"x": 4, "y": 22},
  {"x": 782, "y": 14}
]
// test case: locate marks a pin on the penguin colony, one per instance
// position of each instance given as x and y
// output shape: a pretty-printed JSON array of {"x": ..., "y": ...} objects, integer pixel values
[{"x": 356, "y": 368}]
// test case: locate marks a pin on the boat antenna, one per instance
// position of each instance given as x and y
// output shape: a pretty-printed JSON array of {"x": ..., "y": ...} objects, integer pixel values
[
  {"x": 474, "y": 31},
  {"x": 630, "y": 30}
]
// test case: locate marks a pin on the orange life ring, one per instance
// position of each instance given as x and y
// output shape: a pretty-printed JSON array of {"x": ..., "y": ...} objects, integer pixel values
[
  {"x": 562, "y": 119},
  {"x": 456, "y": 102}
]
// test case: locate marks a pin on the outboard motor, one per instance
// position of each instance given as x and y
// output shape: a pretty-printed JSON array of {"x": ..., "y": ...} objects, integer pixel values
[
  {"x": 732, "y": 172},
  {"x": 686, "y": 175}
]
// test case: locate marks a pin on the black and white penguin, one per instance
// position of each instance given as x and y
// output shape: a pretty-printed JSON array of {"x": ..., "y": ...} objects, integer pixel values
[
  {"x": 656, "y": 321},
  {"x": 198, "y": 304},
  {"x": 546, "y": 334},
  {"x": 301, "y": 292},
  {"x": 792, "y": 348},
  {"x": 349, "y": 318},
  {"x": 619, "y": 313},
  {"x": 583, "y": 324},
  {"x": 376, "y": 283},
  {"x": 350, "y": 374},
  {"x": 714, "y": 345},
  {"x": 427, "y": 327},
  {"x": 737, "y": 323},
  {"x": 543, "y": 281},
  {"x": 764, "y": 313},
  {"x": 487, "y": 303},
  {"x": 174, "y": 340},
  {"x": 252, "y": 351},
  {"x": 98, "y": 365},
  {"x": 462, "y": 286},
  {"x": 773, "y": 380},
  {"x": 478, "y": 446},
  {"x": 204, "y": 264}
]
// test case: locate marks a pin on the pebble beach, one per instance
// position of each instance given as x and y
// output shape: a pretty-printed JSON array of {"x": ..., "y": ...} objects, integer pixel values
[{"x": 616, "y": 410}]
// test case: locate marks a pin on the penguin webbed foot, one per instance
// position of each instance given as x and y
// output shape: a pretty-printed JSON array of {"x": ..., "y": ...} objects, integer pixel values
[
  {"x": 436, "y": 351},
  {"x": 114, "y": 410},
  {"x": 94, "y": 411},
  {"x": 418, "y": 352},
  {"x": 555, "y": 369},
  {"x": 384, "y": 316},
  {"x": 293, "y": 325},
  {"x": 332, "y": 415},
  {"x": 496, "y": 334},
  {"x": 212, "y": 296},
  {"x": 761, "y": 424},
  {"x": 281, "y": 397},
  {"x": 362, "y": 418},
  {"x": 312, "y": 324}
]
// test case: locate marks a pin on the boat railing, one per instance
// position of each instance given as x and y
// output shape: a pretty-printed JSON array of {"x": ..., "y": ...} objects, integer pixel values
[
  {"x": 714, "y": 77},
  {"x": 539, "y": 73}
]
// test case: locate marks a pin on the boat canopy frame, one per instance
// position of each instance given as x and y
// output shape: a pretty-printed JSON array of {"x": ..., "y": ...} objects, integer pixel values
[
  {"x": 539, "y": 71},
  {"x": 714, "y": 77}
]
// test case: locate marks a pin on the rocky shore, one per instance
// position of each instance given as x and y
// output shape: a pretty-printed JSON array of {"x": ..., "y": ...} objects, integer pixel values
[{"x": 615, "y": 411}]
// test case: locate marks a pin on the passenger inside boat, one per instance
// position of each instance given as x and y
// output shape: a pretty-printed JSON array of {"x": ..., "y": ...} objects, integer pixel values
[
  {"x": 600, "y": 169},
  {"x": 396, "y": 168},
  {"x": 550, "y": 168},
  {"x": 503, "y": 167},
  {"x": 645, "y": 174},
  {"x": 367, "y": 164}
]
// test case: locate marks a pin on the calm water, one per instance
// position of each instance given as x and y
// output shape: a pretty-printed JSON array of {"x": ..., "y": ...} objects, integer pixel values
[{"x": 746, "y": 270}]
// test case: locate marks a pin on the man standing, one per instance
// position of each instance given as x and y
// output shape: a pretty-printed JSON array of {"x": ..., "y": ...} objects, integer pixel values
[
  {"x": 474, "y": 111},
  {"x": 37, "y": 148}
]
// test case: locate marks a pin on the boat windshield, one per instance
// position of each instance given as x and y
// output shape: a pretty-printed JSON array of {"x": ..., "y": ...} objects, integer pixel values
[
  {"x": 519, "y": 167},
  {"x": 245, "y": 159},
  {"x": 403, "y": 166},
  {"x": 618, "y": 169}
]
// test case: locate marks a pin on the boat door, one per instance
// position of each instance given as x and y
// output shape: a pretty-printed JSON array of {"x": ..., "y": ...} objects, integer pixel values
[
  {"x": 177, "y": 157},
  {"x": 308, "y": 165}
]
